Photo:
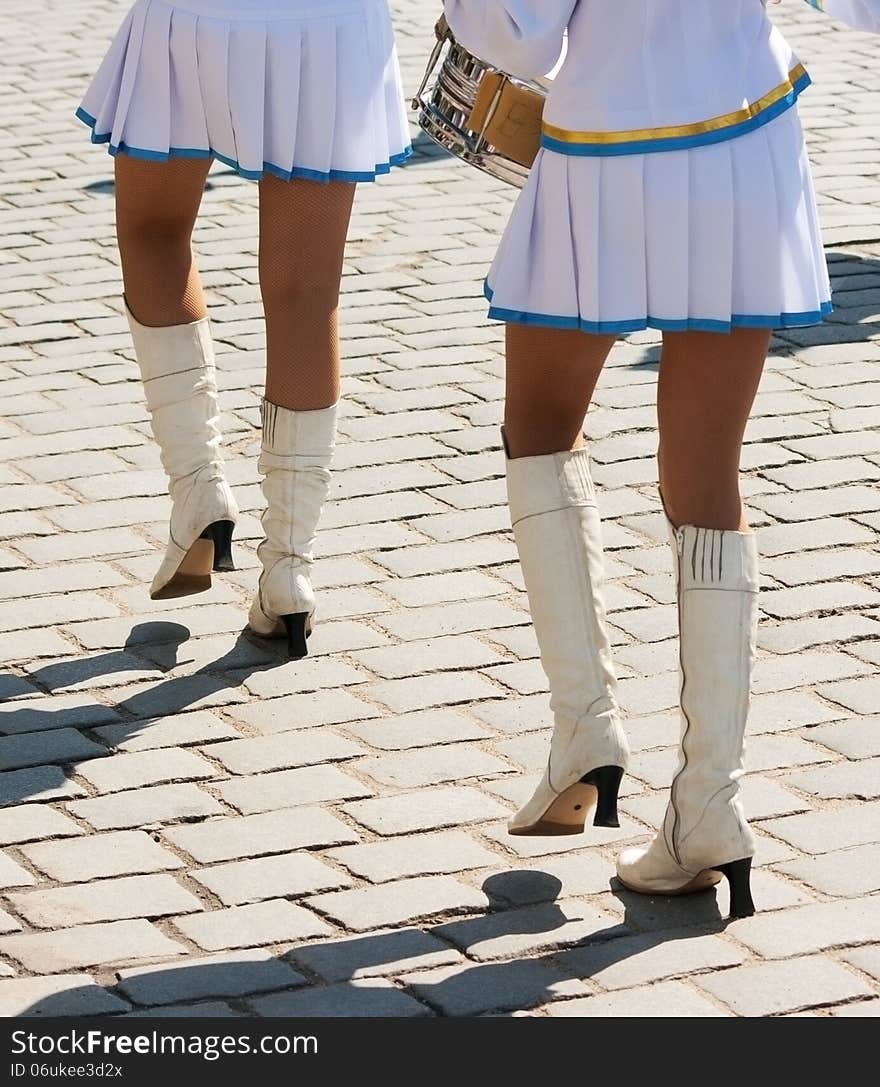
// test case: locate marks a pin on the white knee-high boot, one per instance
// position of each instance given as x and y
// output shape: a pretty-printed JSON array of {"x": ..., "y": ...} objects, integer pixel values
[
  {"x": 705, "y": 834},
  {"x": 179, "y": 376},
  {"x": 558, "y": 536},
  {"x": 297, "y": 453}
]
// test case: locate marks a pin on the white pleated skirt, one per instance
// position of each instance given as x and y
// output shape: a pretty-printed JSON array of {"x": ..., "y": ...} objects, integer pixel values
[
  {"x": 295, "y": 88},
  {"x": 711, "y": 238}
]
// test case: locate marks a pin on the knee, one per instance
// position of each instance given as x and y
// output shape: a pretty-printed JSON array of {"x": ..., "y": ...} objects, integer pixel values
[
  {"x": 289, "y": 289},
  {"x": 153, "y": 229}
]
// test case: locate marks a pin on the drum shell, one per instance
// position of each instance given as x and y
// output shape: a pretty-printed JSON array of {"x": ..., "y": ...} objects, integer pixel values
[{"x": 482, "y": 115}]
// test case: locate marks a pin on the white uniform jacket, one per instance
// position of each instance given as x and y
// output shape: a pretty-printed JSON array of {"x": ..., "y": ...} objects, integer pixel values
[{"x": 641, "y": 76}]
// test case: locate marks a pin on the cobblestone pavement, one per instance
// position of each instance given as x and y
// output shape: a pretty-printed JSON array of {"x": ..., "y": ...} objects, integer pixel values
[{"x": 192, "y": 826}]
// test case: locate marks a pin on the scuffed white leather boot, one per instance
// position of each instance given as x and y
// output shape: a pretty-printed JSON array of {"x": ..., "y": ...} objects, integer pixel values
[
  {"x": 179, "y": 376},
  {"x": 297, "y": 453},
  {"x": 705, "y": 835},
  {"x": 558, "y": 536}
]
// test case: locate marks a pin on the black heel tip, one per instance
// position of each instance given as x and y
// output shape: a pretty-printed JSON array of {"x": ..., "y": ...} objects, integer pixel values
[
  {"x": 606, "y": 781},
  {"x": 220, "y": 532},
  {"x": 739, "y": 876},
  {"x": 298, "y": 629}
]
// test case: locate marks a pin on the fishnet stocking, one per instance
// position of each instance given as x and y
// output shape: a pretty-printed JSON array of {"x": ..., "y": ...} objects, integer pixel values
[
  {"x": 156, "y": 208},
  {"x": 303, "y": 227}
]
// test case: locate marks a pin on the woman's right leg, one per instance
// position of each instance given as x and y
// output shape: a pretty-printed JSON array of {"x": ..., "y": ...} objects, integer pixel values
[
  {"x": 551, "y": 375},
  {"x": 156, "y": 208},
  {"x": 303, "y": 230}
]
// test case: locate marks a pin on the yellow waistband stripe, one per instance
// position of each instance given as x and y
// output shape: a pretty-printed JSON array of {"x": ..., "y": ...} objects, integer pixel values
[{"x": 677, "y": 132}]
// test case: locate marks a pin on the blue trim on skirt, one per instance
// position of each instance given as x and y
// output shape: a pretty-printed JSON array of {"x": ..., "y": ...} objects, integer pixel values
[
  {"x": 662, "y": 324},
  {"x": 300, "y": 172}
]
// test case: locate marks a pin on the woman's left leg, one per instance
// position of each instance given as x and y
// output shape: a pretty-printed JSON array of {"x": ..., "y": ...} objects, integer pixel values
[
  {"x": 303, "y": 229},
  {"x": 706, "y": 391}
]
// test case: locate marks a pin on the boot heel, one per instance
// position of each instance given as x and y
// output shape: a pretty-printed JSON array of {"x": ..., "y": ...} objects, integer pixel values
[
  {"x": 738, "y": 875},
  {"x": 606, "y": 781},
  {"x": 221, "y": 533},
  {"x": 298, "y": 629}
]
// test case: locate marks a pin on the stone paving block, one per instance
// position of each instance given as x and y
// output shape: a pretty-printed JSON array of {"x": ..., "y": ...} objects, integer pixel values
[
  {"x": 865, "y": 959},
  {"x": 296, "y": 711},
  {"x": 360, "y": 998},
  {"x": 200, "y": 727},
  {"x": 825, "y": 597},
  {"x": 53, "y": 711},
  {"x": 135, "y": 771},
  {"x": 809, "y": 668},
  {"x": 394, "y": 903},
  {"x": 820, "y": 503},
  {"x": 776, "y": 987},
  {"x": 843, "y": 780},
  {"x": 441, "y": 558},
  {"x": 793, "y": 636},
  {"x": 285, "y": 788},
  {"x": 233, "y": 974},
  {"x": 848, "y": 873},
  {"x": 526, "y": 932},
  {"x": 857, "y": 695},
  {"x": 855, "y": 737},
  {"x": 283, "y": 751},
  {"x": 824, "y": 831},
  {"x": 774, "y": 751},
  {"x": 449, "y": 619},
  {"x": 285, "y": 875},
  {"x": 89, "y": 945},
  {"x": 810, "y": 928},
  {"x": 666, "y": 1000},
  {"x": 549, "y": 879},
  {"x": 524, "y": 677},
  {"x": 779, "y": 711},
  {"x": 40, "y": 783},
  {"x": 12, "y": 874},
  {"x": 98, "y": 856},
  {"x": 489, "y": 987},
  {"x": 312, "y": 674},
  {"x": 232, "y": 838},
  {"x": 271, "y": 922},
  {"x": 429, "y": 655},
  {"x": 421, "y": 854},
  {"x": 434, "y": 689},
  {"x": 453, "y": 762},
  {"x": 34, "y": 822},
  {"x": 822, "y": 566},
  {"x": 207, "y": 1009},
  {"x": 858, "y": 1009},
  {"x": 383, "y": 953},
  {"x": 425, "y": 809},
  {"x": 107, "y": 900},
  {"x": 145, "y": 807},
  {"x": 39, "y": 643},
  {"x": 515, "y": 715},
  {"x": 630, "y": 961},
  {"x": 807, "y": 535},
  {"x": 60, "y": 995},
  {"x": 417, "y": 730},
  {"x": 57, "y": 745}
]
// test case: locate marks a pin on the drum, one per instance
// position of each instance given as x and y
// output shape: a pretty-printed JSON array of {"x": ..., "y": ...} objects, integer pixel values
[{"x": 480, "y": 114}]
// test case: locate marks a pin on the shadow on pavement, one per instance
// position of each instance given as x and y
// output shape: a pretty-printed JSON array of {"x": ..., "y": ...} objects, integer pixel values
[{"x": 344, "y": 977}]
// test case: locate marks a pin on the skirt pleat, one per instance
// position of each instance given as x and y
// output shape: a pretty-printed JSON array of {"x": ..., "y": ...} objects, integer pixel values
[
  {"x": 314, "y": 92},
  {"x": 712, "y": 238}
]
